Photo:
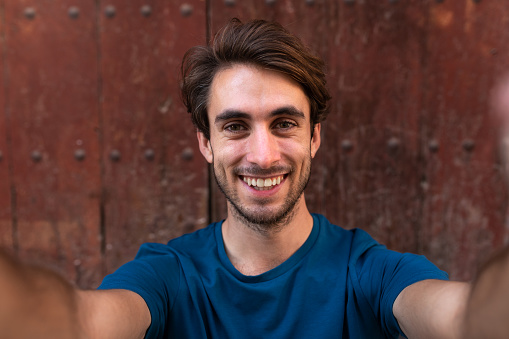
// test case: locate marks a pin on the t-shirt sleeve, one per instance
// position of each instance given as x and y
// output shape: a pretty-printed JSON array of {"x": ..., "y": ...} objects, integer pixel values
[
  {"x": 155, "y": 275},
  {"x": 383, "y": 274}
]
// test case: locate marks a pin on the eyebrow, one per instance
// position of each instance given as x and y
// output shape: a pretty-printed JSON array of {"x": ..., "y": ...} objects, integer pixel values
[{"x": 236, "y": 114}]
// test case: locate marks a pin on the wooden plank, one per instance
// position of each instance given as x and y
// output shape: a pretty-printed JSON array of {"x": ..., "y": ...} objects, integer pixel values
[
  {"x": 465, "y": 204},
  {"x": 6, "y": 236},
  {"x": 371, "y": 168},
  {"x": 156, "y": 185},
  {"x": 51, "y": 56}
]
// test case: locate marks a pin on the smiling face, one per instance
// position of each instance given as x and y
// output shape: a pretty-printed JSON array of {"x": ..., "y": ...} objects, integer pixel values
[{"x": 260, "y": 143}]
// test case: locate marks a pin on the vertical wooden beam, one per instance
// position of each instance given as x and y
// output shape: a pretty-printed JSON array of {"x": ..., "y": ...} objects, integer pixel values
[
  {"x": 155, "y": 179},
  {"x": 52, "y": 99},
  {"x": 372, "y": 166},
  {"x": 465, "y": 203},
  {"x": 6, "y": 227}
]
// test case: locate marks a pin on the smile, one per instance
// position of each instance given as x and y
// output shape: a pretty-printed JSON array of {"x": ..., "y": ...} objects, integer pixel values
[{"x": 263, "y": 183}]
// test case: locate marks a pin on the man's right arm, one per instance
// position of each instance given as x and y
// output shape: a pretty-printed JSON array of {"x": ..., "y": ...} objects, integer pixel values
[{"x": 38, "y": 303}]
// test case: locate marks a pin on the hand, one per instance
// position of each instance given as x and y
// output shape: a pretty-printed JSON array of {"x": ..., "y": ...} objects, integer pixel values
[
  {"x": 487, "y": 314},
  {"x": 35, "y": 302}
]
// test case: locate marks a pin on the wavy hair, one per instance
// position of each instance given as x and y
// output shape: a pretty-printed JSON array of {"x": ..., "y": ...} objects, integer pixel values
[{"x": 265, "y": 44}]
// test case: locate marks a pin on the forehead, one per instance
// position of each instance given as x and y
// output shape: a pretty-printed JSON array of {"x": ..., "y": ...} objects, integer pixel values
[{"x": 255, "y": 91}]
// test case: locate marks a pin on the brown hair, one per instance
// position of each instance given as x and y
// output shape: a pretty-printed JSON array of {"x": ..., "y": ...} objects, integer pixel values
[{"x": 258, "y": 42}]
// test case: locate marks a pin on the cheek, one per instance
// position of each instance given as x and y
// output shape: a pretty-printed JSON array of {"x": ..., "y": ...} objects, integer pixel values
[{"x": 230, "y": 153}]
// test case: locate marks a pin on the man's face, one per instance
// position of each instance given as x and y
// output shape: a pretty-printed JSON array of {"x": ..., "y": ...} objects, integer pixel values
[{"x": 260, "y": 142}]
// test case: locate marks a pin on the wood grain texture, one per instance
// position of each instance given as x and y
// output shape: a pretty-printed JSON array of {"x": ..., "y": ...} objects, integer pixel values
[
  {"x": 6, "y": 224},
  {"x": 52, "y": 103},
  {"x": 158, "y": 197}
]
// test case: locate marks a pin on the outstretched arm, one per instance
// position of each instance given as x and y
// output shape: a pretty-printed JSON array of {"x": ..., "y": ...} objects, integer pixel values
[
  {"x": 38, "y": 303},
  {"x": 432, "y": 309},
  {"x": 443, "y": 309}
]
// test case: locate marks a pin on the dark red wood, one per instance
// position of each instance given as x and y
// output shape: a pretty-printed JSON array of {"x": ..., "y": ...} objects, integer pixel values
[
  {"x": 6, "y": 236},
  {"x": 52, "y": 101},
  {"x": 162, "y": 197},
  {"x": 374, "y": 66},
  {"x": 409, "y": 151},
  {"x": 465, "y": 201}
]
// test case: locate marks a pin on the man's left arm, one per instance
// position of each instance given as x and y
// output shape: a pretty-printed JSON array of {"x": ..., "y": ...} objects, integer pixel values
[{"x": 432, "y": 309}]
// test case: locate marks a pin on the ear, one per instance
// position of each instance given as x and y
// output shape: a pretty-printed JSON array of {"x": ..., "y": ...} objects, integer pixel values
[
  {"x": 205, "y": 147},
  {"x": 316, "y": 140}
]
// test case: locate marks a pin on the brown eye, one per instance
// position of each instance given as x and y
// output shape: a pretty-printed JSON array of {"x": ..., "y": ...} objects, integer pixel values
[
  {"x": 234, "y": 128},
  {"x": 285, "y": 124}
]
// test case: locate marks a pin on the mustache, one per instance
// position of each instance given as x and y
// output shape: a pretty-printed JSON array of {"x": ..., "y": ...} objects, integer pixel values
[{"x": 258, "y": 171}]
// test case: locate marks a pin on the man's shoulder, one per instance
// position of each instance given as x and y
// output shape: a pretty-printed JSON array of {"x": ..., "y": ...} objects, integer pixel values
[
  {"x": 358, "y": 239},
  {"x": 195, "y": 240},
  {"x": 198, "y": 237}
]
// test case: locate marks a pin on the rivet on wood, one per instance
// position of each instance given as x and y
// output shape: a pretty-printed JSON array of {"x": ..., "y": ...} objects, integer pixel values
[
  {"x": 439, "y": 1},
  {"x": 186, "y": 10},
  {"x": 146, "y": 10},
  {"x": 393, "y": 143},
  {"x": 270, "y": 2},
  {"x": 29, "y": 13},
  {"x": 433, "y": 146},
  {"x": 149, "y": 154},
  {"x": 349, "y": 2},
  {"x": 476, "y": 1},
  {"x": 187, "y": 154},
  {"x": 310, "y": 2},
  {"x": 468, "y": 145},
  {"x": 115, "y": 155},
  {"x": 229, "y": 3},
  {"x": 424, "y": 185},
  {"x": 79, "y": 154},
  {"x": 1, "y": 155},
  {"x": 110, "y": 11},
  {"x": 73, "y": 12},
  {"x": 493, "y": 51},
  {"x": 36, "y": 156},
  {"x": 346, "y": 145}
]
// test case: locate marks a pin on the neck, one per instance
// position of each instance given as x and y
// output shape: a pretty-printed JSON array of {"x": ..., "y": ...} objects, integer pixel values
[{"x": 255, "y": 249}]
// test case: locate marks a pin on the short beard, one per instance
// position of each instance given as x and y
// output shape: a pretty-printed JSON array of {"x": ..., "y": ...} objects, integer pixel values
[{"x": 260, "y": 222}]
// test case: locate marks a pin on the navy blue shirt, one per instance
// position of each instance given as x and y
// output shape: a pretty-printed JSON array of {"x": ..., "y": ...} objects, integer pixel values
[{"x": 339, "y": 284}]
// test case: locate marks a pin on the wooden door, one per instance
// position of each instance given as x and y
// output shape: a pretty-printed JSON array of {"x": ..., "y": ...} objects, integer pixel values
[{"x": 97, "y": 154}]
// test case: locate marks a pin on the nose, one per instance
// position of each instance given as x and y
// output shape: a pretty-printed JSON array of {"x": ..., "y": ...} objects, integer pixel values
[{"x": 263, "y": 149}]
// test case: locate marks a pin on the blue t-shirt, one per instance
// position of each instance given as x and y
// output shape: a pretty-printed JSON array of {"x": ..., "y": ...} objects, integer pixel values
[{"x": 339, "y": 284}]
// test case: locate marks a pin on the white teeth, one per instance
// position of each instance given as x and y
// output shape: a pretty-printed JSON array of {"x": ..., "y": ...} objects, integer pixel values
[{"x": 261, "y": 183}]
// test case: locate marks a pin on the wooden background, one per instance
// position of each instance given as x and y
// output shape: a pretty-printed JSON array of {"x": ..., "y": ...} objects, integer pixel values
[{"x": 97, "y": 154}]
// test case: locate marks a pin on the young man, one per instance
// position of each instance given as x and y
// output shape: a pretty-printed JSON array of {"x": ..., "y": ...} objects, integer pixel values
[{"x": 271, "y": 269}]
